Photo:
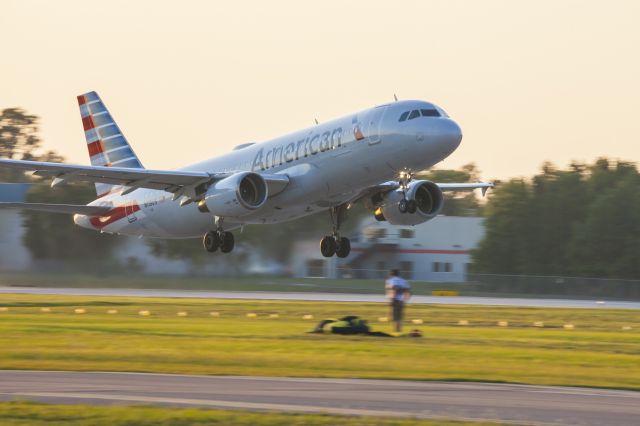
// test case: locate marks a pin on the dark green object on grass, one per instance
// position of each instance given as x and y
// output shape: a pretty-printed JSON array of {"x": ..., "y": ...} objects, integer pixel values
[{"x": 350, "y": 324}]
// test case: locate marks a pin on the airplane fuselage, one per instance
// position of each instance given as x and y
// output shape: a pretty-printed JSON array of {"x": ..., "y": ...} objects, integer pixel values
[{"x": 327, "y": 165}]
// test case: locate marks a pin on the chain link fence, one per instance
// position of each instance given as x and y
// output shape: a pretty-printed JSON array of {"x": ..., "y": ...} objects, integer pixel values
[{"x": 555, "y": 286}]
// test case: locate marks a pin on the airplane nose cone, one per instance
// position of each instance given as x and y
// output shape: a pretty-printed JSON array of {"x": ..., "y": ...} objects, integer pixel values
[{"x": 453, "y": 134}]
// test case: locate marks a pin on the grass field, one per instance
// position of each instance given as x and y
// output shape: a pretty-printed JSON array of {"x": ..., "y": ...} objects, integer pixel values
[
  {"x": 597, "y": 352},
  {"x": 32, "y": 414}
]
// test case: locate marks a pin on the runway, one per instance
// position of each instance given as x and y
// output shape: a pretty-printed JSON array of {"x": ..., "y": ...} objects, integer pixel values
[
  {"x": 518, "y": 404},
  {"x": 333, "y": 297}
]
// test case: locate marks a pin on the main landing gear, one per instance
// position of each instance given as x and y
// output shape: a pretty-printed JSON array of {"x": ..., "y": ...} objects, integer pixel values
[
  {"x": 334, "y": 244},
  {"x": 218, "y": 239},
  {"x": 404, "y": 205}
]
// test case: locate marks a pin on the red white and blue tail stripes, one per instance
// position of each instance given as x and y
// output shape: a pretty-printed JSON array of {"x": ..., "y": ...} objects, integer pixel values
[{"x": 107, "y": 145}]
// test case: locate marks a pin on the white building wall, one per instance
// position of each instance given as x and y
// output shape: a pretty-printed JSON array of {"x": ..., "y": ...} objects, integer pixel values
[
  {"x": 445, "y": 241},
  {"x": 378, "y": 246}
]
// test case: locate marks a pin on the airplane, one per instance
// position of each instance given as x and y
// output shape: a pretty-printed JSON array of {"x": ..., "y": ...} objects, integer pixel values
[{"x": 369, "y": 156}]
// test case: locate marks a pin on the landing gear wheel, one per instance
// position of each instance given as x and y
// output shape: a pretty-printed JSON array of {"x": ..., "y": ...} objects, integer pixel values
[
  {"x": 226, "y": 242},
  {"x": 343, "y": 247},
  {"x": 211, "y": 241},
  {"x": 412, "y": 206},
  {"x": 403, "y": 205},
  {"x": 328, "y": 246}
]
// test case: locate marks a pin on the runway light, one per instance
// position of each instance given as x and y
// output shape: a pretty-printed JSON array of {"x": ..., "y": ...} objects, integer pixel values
[
  {"x": 214, "y": 314},
  {"x": 144, "y": 313},
  {"x": 503, "y": 323},
  {"x": 3, "y": 309},
  {"x": 417, "y": 321},
  {"x": 463, "y": 322},
  {"x": 568, "y": 327},
  {"x": 626, "y": 328},
  {"x": 251, "y": 315},
  {"x": 383, "y": 319},
  {"x": 307, "y": 317},
  {"x": 538, "y": 324},
  {"x": 45, "y": 310},
  {"x": 182, "y": 314},
  {"x": 80, "y": 311},
  {"x": 274, "y": 316},
  {"x": 112, "y": 311}
]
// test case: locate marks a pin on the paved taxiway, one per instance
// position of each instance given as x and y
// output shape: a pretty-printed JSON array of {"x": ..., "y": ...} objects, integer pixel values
[
  {"x": 334, "y": 297},
  {"x": 478, "y": 401}
]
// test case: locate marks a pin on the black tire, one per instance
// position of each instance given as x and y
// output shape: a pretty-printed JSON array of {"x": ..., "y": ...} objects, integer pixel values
[
  {"x": 402, "y": 205},
  {"x": 344, "y": 247},
  {"x": 328, "y": 246},
  {"x": 211, "y": 241},
  {"x": 227, "y": 242},
  {"x": 412, "y": 206}
]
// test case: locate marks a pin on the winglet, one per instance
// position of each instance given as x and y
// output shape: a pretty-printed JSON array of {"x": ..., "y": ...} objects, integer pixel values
[{"x": 486, "y": 188}]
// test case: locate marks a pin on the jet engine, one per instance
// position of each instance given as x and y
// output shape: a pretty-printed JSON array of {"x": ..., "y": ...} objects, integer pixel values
[
  {"x": 424, "y": 199},
  {"x": 235, "y": 196}
]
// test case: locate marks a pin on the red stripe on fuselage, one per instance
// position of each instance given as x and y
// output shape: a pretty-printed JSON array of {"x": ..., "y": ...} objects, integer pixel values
[
  {"x": 113, "y": 215},
  {"x": 81, "y": 100}
]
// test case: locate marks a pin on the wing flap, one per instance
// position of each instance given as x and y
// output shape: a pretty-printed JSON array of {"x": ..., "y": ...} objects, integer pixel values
[{"x": 58, "y": 208}]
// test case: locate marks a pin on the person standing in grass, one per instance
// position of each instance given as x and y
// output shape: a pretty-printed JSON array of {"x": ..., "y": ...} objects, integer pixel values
[{"x": 398, "y": 292}]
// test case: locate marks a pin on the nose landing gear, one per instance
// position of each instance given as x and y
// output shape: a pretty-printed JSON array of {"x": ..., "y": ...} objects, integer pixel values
[
  {"x": 404, "y": 205},
  {"x": 334, "y": 244}
]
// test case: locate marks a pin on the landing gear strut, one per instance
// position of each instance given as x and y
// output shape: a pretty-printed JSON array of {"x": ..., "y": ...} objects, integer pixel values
[
  {"x": 334, "y": 243},
  {"x": 404, "y": 205},
  {"x": 218, "y": 239}
]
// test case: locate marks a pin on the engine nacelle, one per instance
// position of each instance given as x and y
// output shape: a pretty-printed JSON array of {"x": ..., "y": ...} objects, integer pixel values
[
  {"x": 235, "y": 196},
  {"x": 427, "y": 196}
]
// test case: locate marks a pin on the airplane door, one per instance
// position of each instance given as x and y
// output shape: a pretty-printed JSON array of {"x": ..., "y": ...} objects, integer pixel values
[
  {"x": 130, "y": 212},
  {"x": 373, "y": 125}
]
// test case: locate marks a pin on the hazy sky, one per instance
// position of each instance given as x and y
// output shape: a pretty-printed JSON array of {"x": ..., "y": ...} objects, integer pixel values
[{"x": 186, "y": 80}]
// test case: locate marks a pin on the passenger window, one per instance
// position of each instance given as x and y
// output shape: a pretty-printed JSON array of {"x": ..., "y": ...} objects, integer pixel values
[
  {"x": 430, "y": 113},
  {"x": 414, "y": 114},
  {"x": 404, "y": 116}
]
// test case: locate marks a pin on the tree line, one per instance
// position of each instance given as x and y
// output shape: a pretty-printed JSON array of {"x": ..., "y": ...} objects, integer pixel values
[
  {"x": 583, "y": 221},
  {"x": 47, "y": 236}
]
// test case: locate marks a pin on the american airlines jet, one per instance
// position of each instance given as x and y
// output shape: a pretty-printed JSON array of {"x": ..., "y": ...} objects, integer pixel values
[{"x": 368, "y": 156}]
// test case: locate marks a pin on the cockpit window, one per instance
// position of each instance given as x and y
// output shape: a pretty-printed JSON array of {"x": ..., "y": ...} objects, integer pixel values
[
  {"x": 430, "y": 112},
  {"x": 425, "y": 112}
]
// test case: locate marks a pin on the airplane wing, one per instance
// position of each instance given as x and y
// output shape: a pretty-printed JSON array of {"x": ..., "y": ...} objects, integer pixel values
[
  {"x": 179, "y": 182},
  {"x": 385, "y": 187},
  {"x": 465, "y": 186},
  {"x": 58, "y": 208}
]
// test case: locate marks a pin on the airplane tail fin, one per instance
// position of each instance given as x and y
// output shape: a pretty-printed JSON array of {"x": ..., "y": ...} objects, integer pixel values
[{"x": 107, "y": 145}]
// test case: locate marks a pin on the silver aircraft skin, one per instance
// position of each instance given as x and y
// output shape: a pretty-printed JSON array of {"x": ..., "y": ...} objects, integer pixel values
[{"x": 367, "y": 156}]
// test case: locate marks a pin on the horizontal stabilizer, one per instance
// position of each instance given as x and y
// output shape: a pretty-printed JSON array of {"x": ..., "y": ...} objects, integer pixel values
[{"x": 59, "y": 208}]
